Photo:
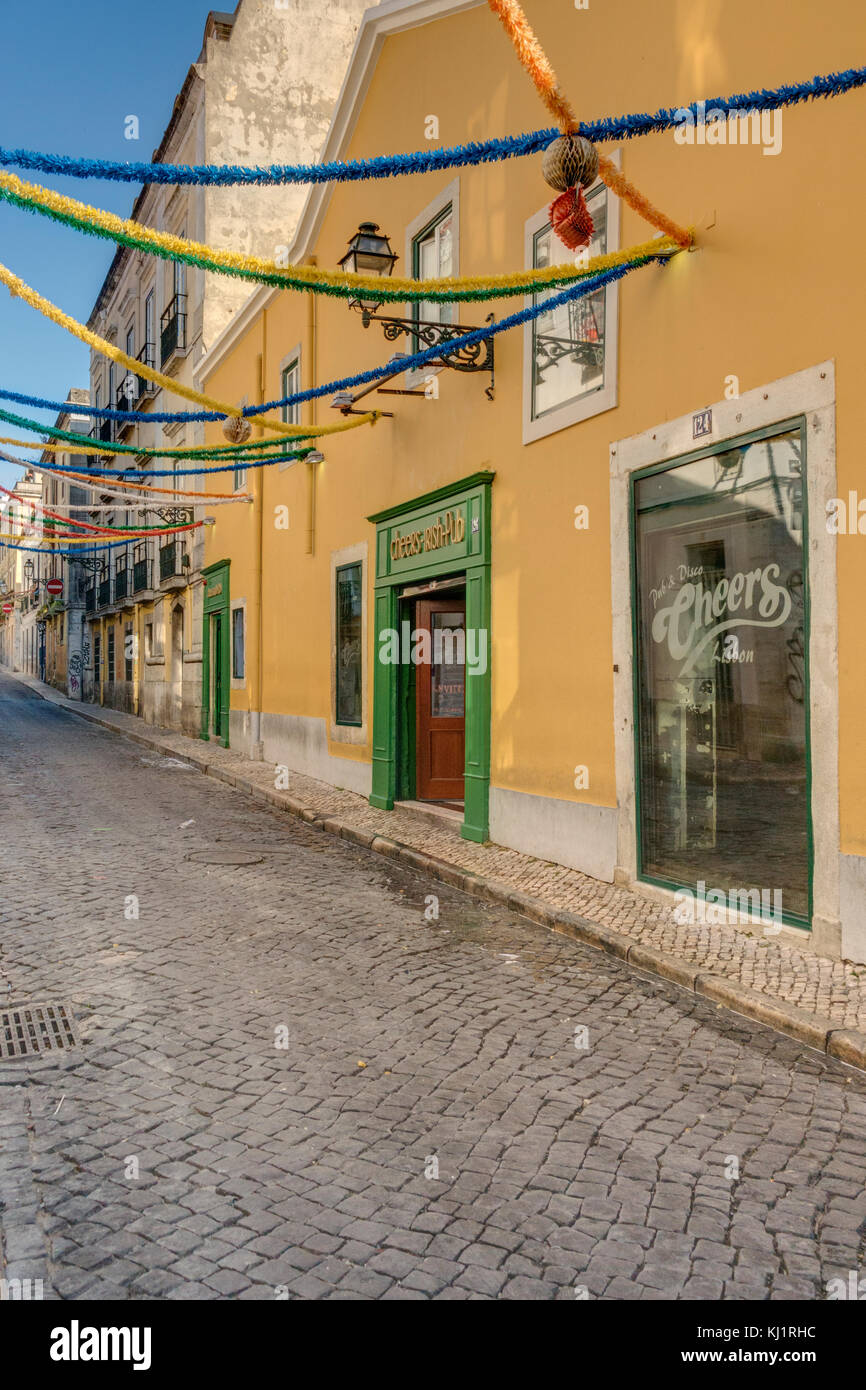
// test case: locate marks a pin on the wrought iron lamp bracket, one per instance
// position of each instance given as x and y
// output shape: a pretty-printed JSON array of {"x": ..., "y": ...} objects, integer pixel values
[{"x": 474, "y": 357}]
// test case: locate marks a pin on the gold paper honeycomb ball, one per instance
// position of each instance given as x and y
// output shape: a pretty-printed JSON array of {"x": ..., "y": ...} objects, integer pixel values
[
  {"x": 569, "y": 161},
  {"x": 236, "y": 431}
]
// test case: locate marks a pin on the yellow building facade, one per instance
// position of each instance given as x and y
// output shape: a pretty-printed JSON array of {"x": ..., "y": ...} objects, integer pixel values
[{"x": 637, "y": 535}]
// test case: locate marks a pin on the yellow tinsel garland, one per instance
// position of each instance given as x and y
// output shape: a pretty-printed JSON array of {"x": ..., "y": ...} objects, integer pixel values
[{"x": 20, "y": 290}]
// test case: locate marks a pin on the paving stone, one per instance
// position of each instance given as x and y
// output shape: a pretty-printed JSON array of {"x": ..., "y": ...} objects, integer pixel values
[{"x": 265, "y": 1170}]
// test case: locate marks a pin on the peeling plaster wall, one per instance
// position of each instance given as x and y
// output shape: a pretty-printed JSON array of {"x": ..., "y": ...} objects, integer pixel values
[
  {"x": 271, "y": 89},
  {"x": 262, "y": 92}
]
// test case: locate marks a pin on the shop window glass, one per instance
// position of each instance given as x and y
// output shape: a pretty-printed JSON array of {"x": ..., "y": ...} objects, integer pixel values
[
  {"x": 448, "y": 665},
  {"x": 433, "y": 257},
  {"x": 722, "y": 679},
  {"x": 348, "y": 675},
  {"x": 238, "y": 644}
]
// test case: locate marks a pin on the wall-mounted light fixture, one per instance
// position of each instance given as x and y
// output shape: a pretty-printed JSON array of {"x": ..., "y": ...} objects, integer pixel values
[{"x": 369, "y": 253}]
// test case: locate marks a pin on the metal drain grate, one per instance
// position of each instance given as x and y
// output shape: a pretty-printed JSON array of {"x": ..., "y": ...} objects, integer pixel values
[{"x": 31, "y": 1030}]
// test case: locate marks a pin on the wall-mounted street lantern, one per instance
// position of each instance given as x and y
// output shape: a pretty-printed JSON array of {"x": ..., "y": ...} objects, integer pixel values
[{"x": 369, "y": 253}]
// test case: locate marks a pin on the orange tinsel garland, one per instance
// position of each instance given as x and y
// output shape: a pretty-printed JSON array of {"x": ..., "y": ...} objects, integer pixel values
[
  {"x": 619, "y": 184},
  {"x": 534, "y": 59}
]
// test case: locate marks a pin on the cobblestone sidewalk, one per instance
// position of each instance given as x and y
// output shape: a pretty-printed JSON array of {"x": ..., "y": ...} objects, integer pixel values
[{"x": 784, "y": 973}]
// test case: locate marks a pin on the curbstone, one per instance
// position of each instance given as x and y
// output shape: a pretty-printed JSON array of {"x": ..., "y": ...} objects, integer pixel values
[
  {"x": 785, "y": 1018},
  {"x": 382, "y": 846},
  {"x": 847, "y": 1045},
  {"x": 591, "y": 934},
  {"x": 357, "y": 835},
  {"x": 534, "y": 908},
  {"x": 681, "y": 972}
]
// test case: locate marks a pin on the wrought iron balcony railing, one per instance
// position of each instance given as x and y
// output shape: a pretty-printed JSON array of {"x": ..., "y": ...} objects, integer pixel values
[
  {"x": 121, "y": 582},
  {"x": 173, "y": 560},
  {"x": 105, "y": 591},
  {"x": 126, "y": 399},
  {"x": 141, "y": 575},
  {"x": 148, "y": 357},
  {"x": 103, "y": 431},
  {"x": 173, "y": 328}
]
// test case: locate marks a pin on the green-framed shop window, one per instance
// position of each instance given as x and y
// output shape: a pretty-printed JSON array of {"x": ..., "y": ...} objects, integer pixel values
[
  {"x": 721, "y": 617},
  {"x": 349, "y": 659}
]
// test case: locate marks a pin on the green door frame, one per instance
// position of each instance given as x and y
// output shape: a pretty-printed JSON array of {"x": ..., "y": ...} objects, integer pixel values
[
  {"x": 216, "y": 600},
  {"x": 443, "y": 532}
]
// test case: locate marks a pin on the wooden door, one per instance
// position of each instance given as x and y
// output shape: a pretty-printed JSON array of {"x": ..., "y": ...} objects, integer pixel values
[{"x": 440, "y": 700}]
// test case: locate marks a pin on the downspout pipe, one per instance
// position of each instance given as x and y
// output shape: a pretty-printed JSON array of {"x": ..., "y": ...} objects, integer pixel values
[
  {"x": 257, "y": 751},
  {"x": 310, "y": 373}
]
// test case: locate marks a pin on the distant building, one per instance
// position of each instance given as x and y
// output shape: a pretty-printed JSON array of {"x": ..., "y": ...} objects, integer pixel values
[
  {"x": 262, "y": 91},
  {"x": 20, "y": 633},
  {"x": 65, "y": 637}
]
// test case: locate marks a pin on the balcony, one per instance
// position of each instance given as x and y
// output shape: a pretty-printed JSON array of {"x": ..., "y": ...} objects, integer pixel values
[
  {"x": 134, "y": 388},
  {"x": 103, "y": 432},
  {"x": 173, "y": 563},
  {"x": 172, "y": 326},
  {"x": 148, "y": 357},
  {"x": 104, "y": 592},
  {"x": 90, "y": 599},
  {"x": 121, "y": 583},
  {"x": 142, "y": 575},
  {"x": 126, "y": 399}
]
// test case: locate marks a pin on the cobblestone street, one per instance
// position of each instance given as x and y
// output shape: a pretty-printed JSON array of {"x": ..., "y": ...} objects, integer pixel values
[{"x": 434, "y": 1127}]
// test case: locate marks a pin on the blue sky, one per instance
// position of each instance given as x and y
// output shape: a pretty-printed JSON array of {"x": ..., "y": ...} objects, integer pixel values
[{"x": 70, "y": 75}]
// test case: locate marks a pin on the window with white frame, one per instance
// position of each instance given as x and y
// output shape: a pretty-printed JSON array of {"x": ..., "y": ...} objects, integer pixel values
[
  {"x": 432, "y": 258},
  {"x": 290, "y": 381},
  {"x": 240, "y": 473},
  {"x": 179, "y": 272},
  {"x": 570, "y": 352},
  {"x": 149, "y": 344}
]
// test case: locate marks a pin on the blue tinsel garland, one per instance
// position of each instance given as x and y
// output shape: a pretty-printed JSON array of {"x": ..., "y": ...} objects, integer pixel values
[
  {"x": 408, "y": 363},
  {"x": 427, "y": 161}
]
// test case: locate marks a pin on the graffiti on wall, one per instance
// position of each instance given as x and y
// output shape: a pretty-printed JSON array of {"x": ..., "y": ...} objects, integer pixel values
[{"x": 74, "y": 673}]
